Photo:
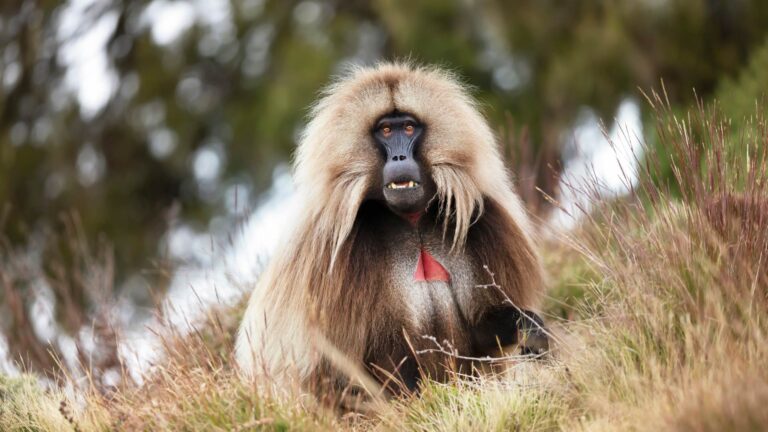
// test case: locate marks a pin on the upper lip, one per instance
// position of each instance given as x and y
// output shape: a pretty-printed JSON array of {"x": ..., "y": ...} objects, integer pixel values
[{"x": 406, "y": 184}]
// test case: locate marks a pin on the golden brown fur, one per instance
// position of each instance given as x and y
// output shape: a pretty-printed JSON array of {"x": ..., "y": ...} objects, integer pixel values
[{"x": 330, "y": 276}]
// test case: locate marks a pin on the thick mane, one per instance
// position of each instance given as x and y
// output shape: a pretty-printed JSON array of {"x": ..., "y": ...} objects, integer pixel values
[
  {"x": 327, "y": 269},
  {"x": 332, "y": 162},
  {"x": 459, "y": 201}
]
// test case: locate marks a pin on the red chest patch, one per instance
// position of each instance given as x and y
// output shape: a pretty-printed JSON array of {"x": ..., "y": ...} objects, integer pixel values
[{"x": 428, "y": 269}]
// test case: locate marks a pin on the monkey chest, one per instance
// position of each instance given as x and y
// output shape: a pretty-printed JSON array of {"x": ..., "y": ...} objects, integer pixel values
[{"x": 432, "y": 287}]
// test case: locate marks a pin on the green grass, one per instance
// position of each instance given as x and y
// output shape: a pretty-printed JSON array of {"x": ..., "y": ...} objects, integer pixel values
[{"x": 26, "y": 406}]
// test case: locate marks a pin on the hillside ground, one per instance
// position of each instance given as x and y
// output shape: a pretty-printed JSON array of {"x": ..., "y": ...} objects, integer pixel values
[{"x": 657, "y": 305}]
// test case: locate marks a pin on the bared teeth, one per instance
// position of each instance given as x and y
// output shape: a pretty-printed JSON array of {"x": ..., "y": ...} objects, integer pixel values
[{"x": 402, "y": 185}]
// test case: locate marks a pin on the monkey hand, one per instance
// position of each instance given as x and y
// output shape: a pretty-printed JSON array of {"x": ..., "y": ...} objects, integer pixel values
[
  {"x": 503, "y": 326},
  {"x": 533, "y": 335}
]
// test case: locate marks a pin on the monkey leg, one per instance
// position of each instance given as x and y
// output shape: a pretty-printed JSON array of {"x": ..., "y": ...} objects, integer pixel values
[
  {"x": 396, "y": 368},
  {"x": 506, "y": 325},
  {"x": 408, "y": 375}
]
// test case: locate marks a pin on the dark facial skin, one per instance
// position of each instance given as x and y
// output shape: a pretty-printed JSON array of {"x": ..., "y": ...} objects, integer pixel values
[{"x": 406, "y": 183}]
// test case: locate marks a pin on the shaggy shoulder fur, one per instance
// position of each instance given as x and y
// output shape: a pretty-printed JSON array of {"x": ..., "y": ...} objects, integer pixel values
[{"x": 326, "y": 276}]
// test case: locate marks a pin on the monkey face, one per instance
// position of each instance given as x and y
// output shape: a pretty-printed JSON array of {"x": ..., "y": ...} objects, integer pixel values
[{"x": 405, "y": 181}]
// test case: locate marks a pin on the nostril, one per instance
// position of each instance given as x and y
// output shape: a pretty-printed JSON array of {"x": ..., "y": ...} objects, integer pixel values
[
  {"x": 402, "y": 157},
  {"x": 394, "y": 158}
]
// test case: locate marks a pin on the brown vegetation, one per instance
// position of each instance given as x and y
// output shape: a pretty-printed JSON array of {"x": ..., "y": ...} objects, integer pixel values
[{"x": 659, "y": 302}]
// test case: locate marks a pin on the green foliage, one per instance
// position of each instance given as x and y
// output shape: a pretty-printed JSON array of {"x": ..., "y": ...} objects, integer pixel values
[
  {"x": 571, "y": 287},
  {"x": 740, "y": 96},
  {"x": 488, "y": 405},
  {"x": 244, "y": 95},
  {"x": 26, "y": 407}
]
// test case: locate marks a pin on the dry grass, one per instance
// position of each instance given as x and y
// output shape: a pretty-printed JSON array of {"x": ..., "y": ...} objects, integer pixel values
[{"x": 658, "y": 306}]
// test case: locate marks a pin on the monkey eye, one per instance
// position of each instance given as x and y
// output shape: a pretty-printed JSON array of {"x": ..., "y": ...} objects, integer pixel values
[
  {"x": 409, "y": 129},
  {"x": 386, "y": 130}
]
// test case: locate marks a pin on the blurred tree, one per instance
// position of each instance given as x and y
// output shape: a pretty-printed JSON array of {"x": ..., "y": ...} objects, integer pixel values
[
  {"x": 740, "y": 95},
  {"x": 133, "y": 112}
]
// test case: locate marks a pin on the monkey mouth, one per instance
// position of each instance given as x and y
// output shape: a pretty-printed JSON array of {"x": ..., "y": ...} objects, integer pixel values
[
  {"x": 404, "y": 195},
  {"x": 410, "y": 184}
]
